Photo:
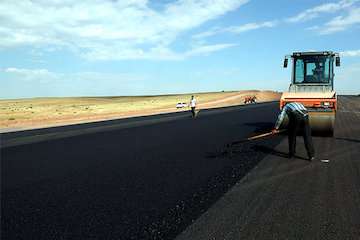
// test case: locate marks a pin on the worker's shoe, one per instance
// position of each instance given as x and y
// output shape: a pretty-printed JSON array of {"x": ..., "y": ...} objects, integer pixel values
[
  {"x": 290, "y": 155},
  {"x": 311, "y": 159}
]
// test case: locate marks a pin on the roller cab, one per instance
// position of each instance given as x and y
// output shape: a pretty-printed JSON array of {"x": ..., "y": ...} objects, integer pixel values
[{"x": 312, "y": 84}]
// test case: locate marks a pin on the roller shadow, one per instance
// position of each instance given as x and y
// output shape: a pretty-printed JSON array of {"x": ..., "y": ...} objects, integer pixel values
[
  {"x": 348, "y": 139},
  {"x": 268, "y": 150}
]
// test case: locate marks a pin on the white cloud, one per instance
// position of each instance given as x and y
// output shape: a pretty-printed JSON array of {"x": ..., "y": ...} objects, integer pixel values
[
  {"x": 158, "y": 52},
  {"x": 45, "y": 76},
  {"x": 236, "y": 29},
  {"x": 350, "y": 53},
  {"x": 341, "y": 23},
  {"x": 103, "y": 30},
  {"x": 32, "y": 82},
  {"x": 209, "y": 33},
  {"x": 25, "y": 71},
  {"x": 336, "y": 24},
  {"x": 313, "y": 28},
  {"x": 42, "y": 75},
  {"x": 206, "y": 49},
  {"x": 251, "y": 26},
  {"x": 323, "y": 8}
]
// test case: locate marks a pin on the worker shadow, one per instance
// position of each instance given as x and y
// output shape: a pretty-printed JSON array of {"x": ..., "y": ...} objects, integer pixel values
[
  {"x": 272, "y": 151},
  {"x": 349, "y": 140},
  {"x": 268, "y": 150}
]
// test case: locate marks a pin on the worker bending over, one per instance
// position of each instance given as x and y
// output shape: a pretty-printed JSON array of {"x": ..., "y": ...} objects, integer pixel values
[{"x": 298, "y": 119}]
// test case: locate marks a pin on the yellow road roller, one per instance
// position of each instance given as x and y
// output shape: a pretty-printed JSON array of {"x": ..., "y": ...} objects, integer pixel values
[{"x": 312, "y": 84}]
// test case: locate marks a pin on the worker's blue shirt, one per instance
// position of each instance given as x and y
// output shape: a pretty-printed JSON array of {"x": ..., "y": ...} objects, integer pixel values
[{"x": 288, "y": 108}]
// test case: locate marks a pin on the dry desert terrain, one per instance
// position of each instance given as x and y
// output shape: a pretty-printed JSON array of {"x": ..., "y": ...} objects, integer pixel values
[{"x": 21, "y": 114}]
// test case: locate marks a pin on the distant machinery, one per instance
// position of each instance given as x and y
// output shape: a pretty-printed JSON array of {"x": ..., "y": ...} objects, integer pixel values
[{"x": 250, "y": 99}]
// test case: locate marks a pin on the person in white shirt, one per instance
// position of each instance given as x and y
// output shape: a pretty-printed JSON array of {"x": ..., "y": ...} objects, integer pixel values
[{"x": 193, "y": 106}]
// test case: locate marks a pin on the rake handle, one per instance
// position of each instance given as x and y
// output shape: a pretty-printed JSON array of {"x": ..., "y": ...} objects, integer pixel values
[{"x": 257, "y": 137}]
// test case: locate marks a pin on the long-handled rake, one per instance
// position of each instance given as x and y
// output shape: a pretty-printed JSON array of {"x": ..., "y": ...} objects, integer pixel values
[
  {"x": 229, "y": 147},
  {"x": 256, "y": 137}
]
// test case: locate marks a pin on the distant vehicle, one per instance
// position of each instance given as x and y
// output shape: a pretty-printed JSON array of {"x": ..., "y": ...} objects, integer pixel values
[{"x": 181, "y": 105}]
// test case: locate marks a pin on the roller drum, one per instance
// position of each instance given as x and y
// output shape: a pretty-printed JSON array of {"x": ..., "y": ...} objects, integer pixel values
[{"x": 321, "y": 123}]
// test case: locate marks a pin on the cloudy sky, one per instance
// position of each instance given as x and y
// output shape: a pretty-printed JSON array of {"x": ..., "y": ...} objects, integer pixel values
[{"x": 137, "y": 47}]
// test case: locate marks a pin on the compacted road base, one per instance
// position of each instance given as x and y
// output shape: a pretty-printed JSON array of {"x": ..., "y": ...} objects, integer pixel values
[
  {"x": 142, "y": 178},
  {"x": 291, "y": 198}
]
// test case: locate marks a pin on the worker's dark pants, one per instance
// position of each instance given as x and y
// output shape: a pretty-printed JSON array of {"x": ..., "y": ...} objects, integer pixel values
[
  {"x": 297, "y": 122},
  {"x": 193, "y": 111}
]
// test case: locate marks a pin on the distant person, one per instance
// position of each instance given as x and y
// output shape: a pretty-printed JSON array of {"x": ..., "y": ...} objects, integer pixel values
[
  {"x": 298, "y": 119},
  {"x": 193, "y": 106}
]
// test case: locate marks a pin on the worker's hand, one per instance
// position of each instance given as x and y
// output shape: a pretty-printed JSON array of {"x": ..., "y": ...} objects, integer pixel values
[{"x": 274, "y": 131}]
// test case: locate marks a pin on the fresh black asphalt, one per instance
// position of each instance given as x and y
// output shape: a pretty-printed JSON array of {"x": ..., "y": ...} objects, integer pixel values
[
  {"x": 292, "y": 198},
  {"x": 143, "y": 178},
  {"x": 169, "y": 176}
]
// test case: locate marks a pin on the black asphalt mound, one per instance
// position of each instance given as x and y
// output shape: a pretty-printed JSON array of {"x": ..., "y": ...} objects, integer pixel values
[
  {"x": 291, "y": 198},
  {"x": 142, "y": 181}
]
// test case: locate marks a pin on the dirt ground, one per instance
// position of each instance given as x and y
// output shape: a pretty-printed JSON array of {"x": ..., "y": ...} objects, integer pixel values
[{"x": 32, "y": 113}]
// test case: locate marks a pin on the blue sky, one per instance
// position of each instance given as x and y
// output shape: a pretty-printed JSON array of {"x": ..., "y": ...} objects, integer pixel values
[{"x": 140, "y": 47}]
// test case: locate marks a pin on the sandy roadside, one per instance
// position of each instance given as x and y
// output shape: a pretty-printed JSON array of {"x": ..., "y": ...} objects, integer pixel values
[{"x": 7, "y": 124}]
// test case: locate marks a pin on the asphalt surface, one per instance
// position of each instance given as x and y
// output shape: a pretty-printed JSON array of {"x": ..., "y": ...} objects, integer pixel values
[
  {"x": 140, "y": 178},
  {"x": 292, "y": 198},
  {"x": 169, "y": 176}
]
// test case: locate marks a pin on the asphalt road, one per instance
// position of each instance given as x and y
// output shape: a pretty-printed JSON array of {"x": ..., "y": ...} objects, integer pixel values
[
  {"x": 292, "y": 198},
  {"x": 166, "y": 177},
  {"x": 141, "y": 178}
]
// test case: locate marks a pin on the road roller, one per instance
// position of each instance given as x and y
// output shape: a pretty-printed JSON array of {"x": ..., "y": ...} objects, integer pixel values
[{"x": 312, "y": 84}]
